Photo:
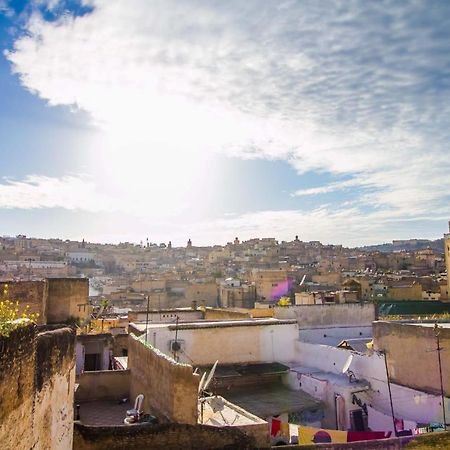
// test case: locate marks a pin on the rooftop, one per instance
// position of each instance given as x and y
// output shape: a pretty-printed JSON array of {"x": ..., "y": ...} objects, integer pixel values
[
  {"x": 214, "y": 324},
  {"x": 272, "y": 400},
  {"x": 104, "y": 413}
]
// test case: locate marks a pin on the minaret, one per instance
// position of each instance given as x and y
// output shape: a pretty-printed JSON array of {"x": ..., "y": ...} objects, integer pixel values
[
  {"x": 169, "y": 245},
  {"x": 189, "y": 243},
  {"x": 447, "y": 258}
]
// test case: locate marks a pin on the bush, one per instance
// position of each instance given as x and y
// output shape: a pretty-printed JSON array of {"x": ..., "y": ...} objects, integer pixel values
[{"x": 10, "y": 318}]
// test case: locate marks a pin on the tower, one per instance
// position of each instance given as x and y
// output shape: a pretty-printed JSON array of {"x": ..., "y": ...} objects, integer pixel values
[{"x": 189, "y": 243}]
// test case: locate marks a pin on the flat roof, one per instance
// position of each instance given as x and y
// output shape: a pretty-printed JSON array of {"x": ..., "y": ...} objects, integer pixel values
[
  {"x": 338, "y": 379},
  {"x": 215, "y": 324},
  {"x": 219, "y": 412},
  {"x": 272, "y": 400}
]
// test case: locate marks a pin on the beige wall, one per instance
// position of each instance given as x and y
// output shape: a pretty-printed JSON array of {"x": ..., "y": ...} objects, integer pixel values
[
  {"x": 269, "y": 282},
  {"x": 28, "y": 293},
  {"x": 225, "y": 314},
  {"x": 103, "y": 385},
  {"x": 327, "y": 278},
  {"x": 413, "y": 292},
  {"x": 203, "y": 293},
  {"x": 324, "y": 315},
  {"x": 37, "y": 374},
  {"x": 170, "y": 388},
  {"x": 67, "y": 297},
  {"x": 411, "y": 358}
]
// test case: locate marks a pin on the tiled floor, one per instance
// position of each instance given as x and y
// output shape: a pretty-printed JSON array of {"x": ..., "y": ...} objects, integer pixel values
[{"x": 103, "y": 413}]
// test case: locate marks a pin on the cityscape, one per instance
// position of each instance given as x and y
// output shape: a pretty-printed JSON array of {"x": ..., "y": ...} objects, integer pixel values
[{"x": 224, "y": 224}]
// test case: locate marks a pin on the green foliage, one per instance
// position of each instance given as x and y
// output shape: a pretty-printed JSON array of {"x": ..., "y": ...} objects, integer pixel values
[
  {"x": 284, "y": 301},
  {"x": 10, "y": 318}
]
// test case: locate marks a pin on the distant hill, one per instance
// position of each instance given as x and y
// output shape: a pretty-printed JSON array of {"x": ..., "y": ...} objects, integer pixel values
[{"x": 407, "y": 245}]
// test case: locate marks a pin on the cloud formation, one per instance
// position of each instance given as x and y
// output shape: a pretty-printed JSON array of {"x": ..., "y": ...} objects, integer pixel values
[
  {"x": 69, "y": 192},
  {"x": 352, "y": 89}
]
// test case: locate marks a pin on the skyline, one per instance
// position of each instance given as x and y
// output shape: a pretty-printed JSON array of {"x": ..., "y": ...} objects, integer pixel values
[{"x": 209, "y": 120}]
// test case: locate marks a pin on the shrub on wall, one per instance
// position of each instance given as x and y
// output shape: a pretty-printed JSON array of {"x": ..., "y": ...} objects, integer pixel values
[{"x": 10, "y": 318}]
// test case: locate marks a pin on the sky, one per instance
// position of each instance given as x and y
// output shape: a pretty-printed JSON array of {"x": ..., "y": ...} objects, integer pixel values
[{"x": 206, "y": 119}]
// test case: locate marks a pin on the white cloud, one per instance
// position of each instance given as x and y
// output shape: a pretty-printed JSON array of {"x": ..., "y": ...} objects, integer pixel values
[
  {"x": 69, "y": 192},
  {"x": 170, "y": 82}
]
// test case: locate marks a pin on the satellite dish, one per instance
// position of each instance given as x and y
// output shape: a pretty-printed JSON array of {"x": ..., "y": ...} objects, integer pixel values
[
  {"x": 347, "y": 364},
  {"x": 202, "y": 382},
  {"x": 210, "y": 376}
]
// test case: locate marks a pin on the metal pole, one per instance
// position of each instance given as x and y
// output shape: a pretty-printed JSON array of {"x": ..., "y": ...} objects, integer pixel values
[
  {"x": 390, "y": 393},
  {"x": 439, "y": 348},
  {"x": 146, "y": 318}
]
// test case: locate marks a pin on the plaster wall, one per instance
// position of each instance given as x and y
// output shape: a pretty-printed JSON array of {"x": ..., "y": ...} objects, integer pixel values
[
  {"x": 309, "y": 316},
  {"x": 412, "y": 355},
  {"x": 170, "y": 389},
  {"x": 103, "y": 385},
  {"x": 36, "y": 389},
  {"x": 408, "y": 403},
  {"x": 67, "y": 297},
  {"x": 229, "y": 344}
]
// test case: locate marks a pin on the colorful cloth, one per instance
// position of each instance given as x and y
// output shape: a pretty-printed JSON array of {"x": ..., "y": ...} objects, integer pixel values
[
  {"x": 275, "y": 428},
  {"x": 354, "y": 436},
  {"x": 308, "y": 435}
]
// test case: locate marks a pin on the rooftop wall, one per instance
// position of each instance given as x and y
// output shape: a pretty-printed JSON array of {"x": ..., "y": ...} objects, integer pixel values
[
  {"x": 36, "y": 389},
  {"x": 347, "y": 314},
  {"x": 170, "y": 389},
  {"x": 162, "y": 437},
  {"x": 412, "y": 356},
  {"x": 67, "y": 297},
  {"x": 31, "y": 293},
  {"x": 103, "y": 385}
]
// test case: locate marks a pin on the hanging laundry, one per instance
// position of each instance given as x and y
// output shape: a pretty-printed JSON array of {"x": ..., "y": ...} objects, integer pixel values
[
  {"x": 308, "y": 435},
  {"x": 275, "y": 428},
  {"x": 354, "y": 436}
]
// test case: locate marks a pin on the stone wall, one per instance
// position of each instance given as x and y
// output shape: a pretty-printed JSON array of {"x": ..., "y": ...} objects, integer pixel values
[
  {"x": 170, "y": 388},
  {"x": 310, "y": 316},
  {"x": 36, "y": 389},
  {"x": 54, "y": 299},
  {"x": 162, "y": 437},
  {"x": 31, "y": 293},
  {"x": 67, "y": 297},
  {"x": 411, "y": 355},
  {"x": 102, "y": 385}
]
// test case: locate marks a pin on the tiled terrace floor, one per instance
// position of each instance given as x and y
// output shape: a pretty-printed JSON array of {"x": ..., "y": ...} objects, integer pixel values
[{"x": 103, "y": 413}]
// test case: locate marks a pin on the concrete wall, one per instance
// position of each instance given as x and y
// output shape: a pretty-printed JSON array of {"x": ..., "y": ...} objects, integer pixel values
[
  {"x": 103, "y": 385},
  {"x": 67, "y": 297},
  {"x": 36, "y": 389},
  {"x": 170, "y": 388},
  {"x": 232, "y": 342},
  {"x": 162, "y": 437},
  {"x": 309, "y": 316},
  {"x": 411, "y": 355},
  {"x": 408, "y": 403}
]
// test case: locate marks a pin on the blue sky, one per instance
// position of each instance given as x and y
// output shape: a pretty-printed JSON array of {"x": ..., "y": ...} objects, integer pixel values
[{"x": 209, "y": 119}]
